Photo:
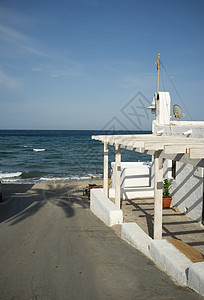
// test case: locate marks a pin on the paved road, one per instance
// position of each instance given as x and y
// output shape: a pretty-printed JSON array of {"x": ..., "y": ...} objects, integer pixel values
[{"x": 53, "y": 247}]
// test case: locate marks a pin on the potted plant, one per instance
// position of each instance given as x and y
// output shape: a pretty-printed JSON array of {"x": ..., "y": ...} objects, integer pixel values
[{"x": 166, "y": 195}]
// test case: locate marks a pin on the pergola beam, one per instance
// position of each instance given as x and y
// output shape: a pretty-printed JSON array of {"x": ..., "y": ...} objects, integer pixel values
[
  {"x": 148, "y": 138},
  {"x": 174, "y": 148},
  {"x": 195, "y": 153},
  {"x": 182, "y": 149}
]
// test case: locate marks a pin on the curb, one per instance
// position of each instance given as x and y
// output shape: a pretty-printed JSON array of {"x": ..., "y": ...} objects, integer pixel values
[
  {"x": 171, "y": 260},
  {"x": 133, "y": 234},
  {"x": 196, "y": 277},
  {"x": 163, "y": 253},
  {"x": 104, "y": 208}
]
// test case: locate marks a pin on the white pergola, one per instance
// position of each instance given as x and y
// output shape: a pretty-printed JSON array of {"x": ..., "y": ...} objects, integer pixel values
[{"x": 183, "y": 149}]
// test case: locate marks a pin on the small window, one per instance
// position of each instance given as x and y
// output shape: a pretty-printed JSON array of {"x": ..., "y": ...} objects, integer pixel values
[{"x": 173, "y": 169}]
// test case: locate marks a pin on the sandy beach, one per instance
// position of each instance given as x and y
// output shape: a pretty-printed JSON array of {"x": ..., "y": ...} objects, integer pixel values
[{"x": 76, "y": 187}]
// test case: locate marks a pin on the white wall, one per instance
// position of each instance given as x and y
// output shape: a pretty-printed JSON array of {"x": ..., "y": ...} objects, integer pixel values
[
  {"x": 187, "y": 191},
  {"x": 133, "y": 174},
  {"x": 163, "y": 108},
  {"x": 187, "y": 188}
]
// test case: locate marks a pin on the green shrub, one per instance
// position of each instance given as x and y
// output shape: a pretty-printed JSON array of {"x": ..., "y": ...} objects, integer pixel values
[{"x": 166, "y": 185}]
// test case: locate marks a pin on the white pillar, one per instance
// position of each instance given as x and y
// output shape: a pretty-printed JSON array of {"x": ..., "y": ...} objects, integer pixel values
[
  {"x": 117, "y": 175},
  {"x": 158, "y": 195},
  {"x": 105, "y": 170},
  {"x": 163, "y": 108}
]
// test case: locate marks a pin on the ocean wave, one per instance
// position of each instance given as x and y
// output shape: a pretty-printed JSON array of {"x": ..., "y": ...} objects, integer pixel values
[
  {"x": 6, "y": 152},
  {"x": 55, "y": 179},
  {"x": 39, "y": 150},
  {"x": 10, "y": 175},
  {"x": 11, "y": 180},
  {"x": 67, "y": 178},
  {"x": 32, "y": 174},
  {"x": 34, "y": 177}
]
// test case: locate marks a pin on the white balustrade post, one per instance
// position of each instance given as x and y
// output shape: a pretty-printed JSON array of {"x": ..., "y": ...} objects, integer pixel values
[
  {"x": 105, "y": 171},
  {"x": 117, "y": 175},
  {"x": 158, "y": 195}
]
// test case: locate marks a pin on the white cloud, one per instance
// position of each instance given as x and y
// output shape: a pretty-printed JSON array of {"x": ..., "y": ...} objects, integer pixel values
[
  {"x": 75, "y": 70},
  {"x": 12, "y": 36},
  {"x": 34, "y": 51}
]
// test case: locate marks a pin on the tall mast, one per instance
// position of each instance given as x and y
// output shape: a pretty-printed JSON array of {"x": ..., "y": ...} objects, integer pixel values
[{"x": 158, "y": 68}]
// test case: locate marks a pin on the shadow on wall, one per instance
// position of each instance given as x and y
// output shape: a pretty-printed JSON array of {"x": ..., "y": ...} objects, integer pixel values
[{"x": 188, "y": 192}]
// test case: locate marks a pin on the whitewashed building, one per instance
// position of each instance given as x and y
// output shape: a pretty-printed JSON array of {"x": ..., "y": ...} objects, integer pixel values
[
  {"x": 187, "y": 188},
  {"x": 177, "y": 150}
]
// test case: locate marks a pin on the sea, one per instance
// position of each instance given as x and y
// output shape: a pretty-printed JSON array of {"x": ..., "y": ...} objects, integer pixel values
[{"x": 34, "y": 156}]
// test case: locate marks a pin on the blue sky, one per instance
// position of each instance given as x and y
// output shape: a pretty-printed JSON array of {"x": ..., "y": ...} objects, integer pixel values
[{"x": 76, "y": 64}]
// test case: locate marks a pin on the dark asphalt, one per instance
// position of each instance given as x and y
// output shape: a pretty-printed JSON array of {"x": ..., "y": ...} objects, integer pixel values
[{"x": 53, "y": 247}]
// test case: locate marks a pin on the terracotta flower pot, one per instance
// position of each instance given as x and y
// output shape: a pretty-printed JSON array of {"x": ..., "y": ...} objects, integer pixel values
[{"x": 167, "y": 202}]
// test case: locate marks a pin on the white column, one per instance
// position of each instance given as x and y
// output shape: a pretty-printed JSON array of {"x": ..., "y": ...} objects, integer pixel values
[
  {"x": 105, "y": 170},
  {"x": 117, "y": 174},
  {"x": 158, "y": 195}
]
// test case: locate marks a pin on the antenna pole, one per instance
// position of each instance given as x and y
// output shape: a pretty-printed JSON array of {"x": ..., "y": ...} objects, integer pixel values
[{"x": 158, "y": 68}]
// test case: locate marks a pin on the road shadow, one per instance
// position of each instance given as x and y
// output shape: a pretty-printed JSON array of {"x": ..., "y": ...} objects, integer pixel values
[{"x": 25, "y": 200}]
